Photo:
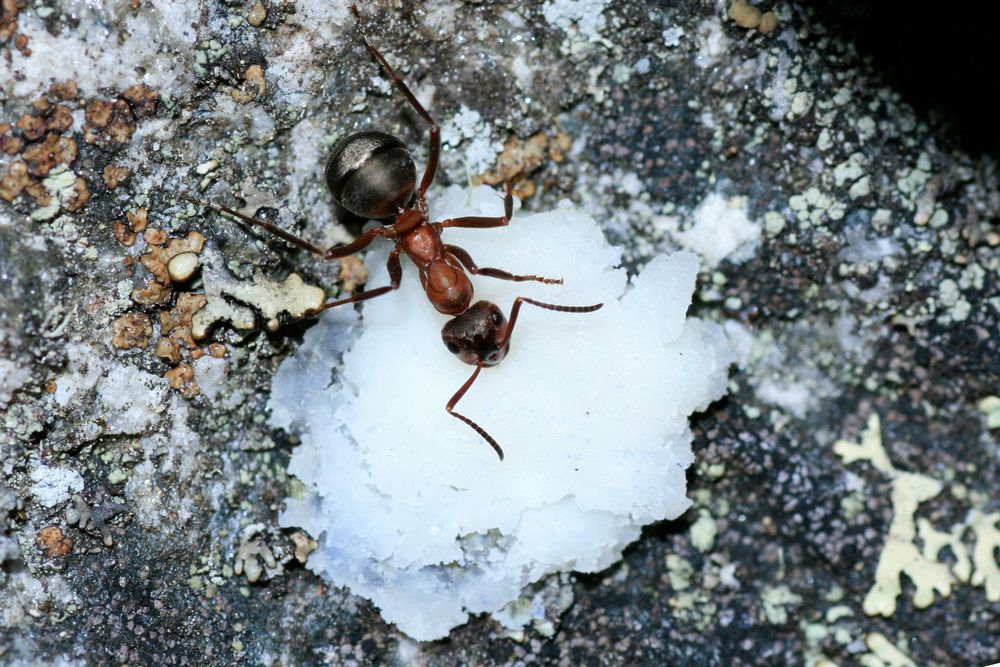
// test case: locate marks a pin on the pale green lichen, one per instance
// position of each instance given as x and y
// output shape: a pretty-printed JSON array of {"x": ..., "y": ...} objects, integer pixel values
[
  {"x": 813, "y": 206},
  {"x": 703, "y": 531},
  {"x": 901, "y": 554},
  {"x": 883, "y": 653},
  {"x": 987, "y": 542},
  {"x": 694, "y": 607},
  {"x": 777, "y": 600},
  {"x": 61, "y": 187},
  {"x": 679, "y": 571},
  {"x": 990, "y": 406},
  {"x": 849, "y": 170},
  {"x": 774, "y": 223}
]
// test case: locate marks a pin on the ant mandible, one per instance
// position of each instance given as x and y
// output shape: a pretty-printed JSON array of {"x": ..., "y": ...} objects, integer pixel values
[{"x": 372, "y": 175}]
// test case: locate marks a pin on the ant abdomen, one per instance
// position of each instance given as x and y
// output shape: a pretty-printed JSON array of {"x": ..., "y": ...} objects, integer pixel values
[{"x": 371, "y": 174}]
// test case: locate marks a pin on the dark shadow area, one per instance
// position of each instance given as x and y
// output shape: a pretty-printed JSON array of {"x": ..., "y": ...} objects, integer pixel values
[{"x": 941, "y": 59}]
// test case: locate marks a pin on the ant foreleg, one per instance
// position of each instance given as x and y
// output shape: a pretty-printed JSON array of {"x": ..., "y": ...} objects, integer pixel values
[
  {"x": 466, "y": 260},
  {"x": 475, "y": 427},
  {"x": 548, "y": 306},
  {"x": 435, "y": 130},
  {"x": 263, "y": 224},
  {"x": 357, "y": 244},
  {"x": 395, "y": 277}
]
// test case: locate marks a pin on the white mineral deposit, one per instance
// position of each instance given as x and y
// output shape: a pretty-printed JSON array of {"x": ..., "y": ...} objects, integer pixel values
[{"x": 412, "y": 509}]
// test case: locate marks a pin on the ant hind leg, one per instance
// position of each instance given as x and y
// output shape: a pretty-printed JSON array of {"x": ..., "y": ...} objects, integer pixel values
[{"x": 462, "y": 256}]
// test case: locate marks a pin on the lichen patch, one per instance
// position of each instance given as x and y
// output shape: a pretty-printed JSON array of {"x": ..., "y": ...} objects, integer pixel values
[
  {"x": 902, "y": 553},
  {"x": 275, "y": 301}
]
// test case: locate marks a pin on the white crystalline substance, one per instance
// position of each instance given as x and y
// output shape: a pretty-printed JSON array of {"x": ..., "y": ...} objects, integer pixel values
[
  {"x": 467, "y": 127},
  {"x": 412, "y": 508},
  {"x": 586, "y": 16},
  {"x": 12, "y": 376},
  {"x": 721, "y": 230},
  {"x": 119, "y": 47},
  {"x": 51, "y": 486},
  {"x": 131, "y": 399}
]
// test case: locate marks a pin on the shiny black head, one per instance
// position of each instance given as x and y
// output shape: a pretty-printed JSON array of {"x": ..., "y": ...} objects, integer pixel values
[
  {"x": 371, "y": 174},
  {"x": 475, "y": 336}
]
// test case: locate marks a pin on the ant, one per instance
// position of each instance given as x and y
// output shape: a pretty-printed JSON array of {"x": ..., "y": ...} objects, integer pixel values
[{"x": 373, "y": 175}]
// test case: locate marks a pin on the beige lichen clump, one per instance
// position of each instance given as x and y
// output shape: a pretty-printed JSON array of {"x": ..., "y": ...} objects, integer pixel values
[
  {"x": 160, "y": 252},
  {"x": 987, "y": 542},
  {"x": 132, "y": 329},
  {"x": 292, "y": 298},
  {"x": 218, "y": 310},
  {"x": 901, "y": 555},
  {"x": 990, "y": 406},
  {"x": 254, "y": 88},
  {"x": 182, "y": 266},
  {"x": 353, "y": 273},
  {"x": 884, "y": 653},
  {"x": 521, "y": 157},
  {"x": 251, "y": 552},
  {"x": 747, "y": 16}
]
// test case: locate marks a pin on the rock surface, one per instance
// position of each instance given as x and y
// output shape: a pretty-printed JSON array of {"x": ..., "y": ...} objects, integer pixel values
[{"x": 869, "y": 289}]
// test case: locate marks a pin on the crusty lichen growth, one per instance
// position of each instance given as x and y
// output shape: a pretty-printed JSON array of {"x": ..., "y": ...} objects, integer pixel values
[
  {"x": 251, "y": 552},
  {"x": 990, "y": 406},
  {"x": 291, "y": 298},
  {"x": 987, "y": 529},
  {"x": 884, "y": 653},
  {"x": 901, "y": 553}
]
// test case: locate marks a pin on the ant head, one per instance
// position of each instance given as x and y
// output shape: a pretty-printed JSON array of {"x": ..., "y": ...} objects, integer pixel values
[
  {"x": 477, "y": 335},
  {"x": 371, "y": 174}
]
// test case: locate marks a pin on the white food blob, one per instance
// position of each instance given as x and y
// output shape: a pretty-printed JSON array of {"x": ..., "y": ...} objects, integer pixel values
[{"x": 412, "y": 508}]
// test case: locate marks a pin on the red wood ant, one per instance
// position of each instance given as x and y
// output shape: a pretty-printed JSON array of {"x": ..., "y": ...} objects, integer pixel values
[{"x": 372, "y": 175}]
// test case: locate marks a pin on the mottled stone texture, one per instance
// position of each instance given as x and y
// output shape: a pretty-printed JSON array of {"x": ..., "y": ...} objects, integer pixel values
[{"x": 874, "y": 290}]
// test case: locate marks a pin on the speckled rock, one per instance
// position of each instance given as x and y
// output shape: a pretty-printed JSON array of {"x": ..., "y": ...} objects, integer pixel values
[{"x": 862, "y": 283}]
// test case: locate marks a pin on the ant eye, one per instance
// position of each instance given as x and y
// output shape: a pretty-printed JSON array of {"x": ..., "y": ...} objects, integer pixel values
[
  {"x": 497, "y": 318},
  {"x": 452, "y": 347}
]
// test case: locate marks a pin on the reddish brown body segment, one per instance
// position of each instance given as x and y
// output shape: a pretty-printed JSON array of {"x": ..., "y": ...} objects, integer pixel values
[{"x": 372, "y": 174}]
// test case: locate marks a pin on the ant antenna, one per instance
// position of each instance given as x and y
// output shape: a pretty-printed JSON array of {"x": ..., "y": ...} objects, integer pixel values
[
  {"x": 475, "y": 427},
  {"x": 263, "y": 224},
  {"x": 547, "y": 306}
]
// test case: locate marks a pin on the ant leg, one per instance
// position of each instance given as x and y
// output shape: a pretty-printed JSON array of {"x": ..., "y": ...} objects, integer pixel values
[
  {"x": 263, "y": 224},
  {"x": 462, "y": 256},
  {"x": 478, "y": 222},
  {"x": 548, "y": 306},
  {"x": 475, "y": 427},
  {"x": 435, "y": 130},
  {"x": 330, "y": 253},
  {"x": 395, "y": 276},
  {"x": 358, "y": 244}
]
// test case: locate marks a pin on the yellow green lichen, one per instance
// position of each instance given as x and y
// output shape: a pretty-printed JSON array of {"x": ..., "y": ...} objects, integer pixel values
[
  {"x": 776, "y": 600},
  {"x": 990, "y": 406},
  {"x": 703, "y": 531},
  {"x": 901, "y": 554},
  {"x": 884, "y": 653}
]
